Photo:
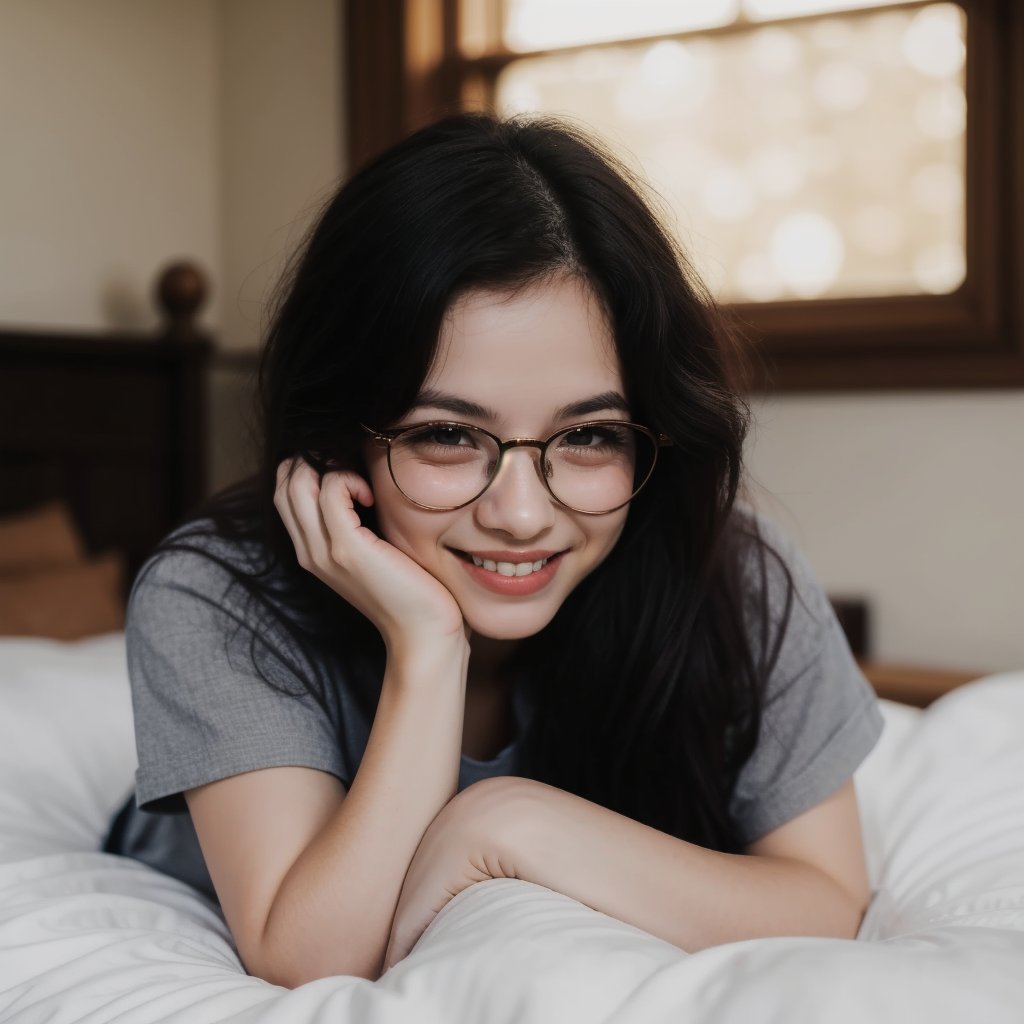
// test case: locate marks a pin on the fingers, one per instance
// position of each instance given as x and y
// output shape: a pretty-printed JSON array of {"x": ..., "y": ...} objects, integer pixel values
[
  {"x": 283, "y": 504},
  {"x": 339, "y": 493},
  {"x": 297, "y": 500},
  {"x": 319, "y": 515}
]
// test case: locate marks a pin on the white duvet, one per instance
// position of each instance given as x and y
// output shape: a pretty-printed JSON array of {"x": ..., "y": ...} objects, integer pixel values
[{"x": 87, "y": 937}]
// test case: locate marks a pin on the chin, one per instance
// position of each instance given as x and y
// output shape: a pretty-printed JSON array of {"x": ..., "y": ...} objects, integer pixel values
[{"x": 508, "y": 623}]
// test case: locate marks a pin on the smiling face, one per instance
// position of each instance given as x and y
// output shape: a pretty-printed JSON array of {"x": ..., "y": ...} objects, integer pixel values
[{"x": 522, "y": 364}]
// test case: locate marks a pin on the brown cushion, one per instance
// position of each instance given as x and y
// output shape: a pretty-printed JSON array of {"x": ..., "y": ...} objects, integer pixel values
[
  {"x": 46, "y": 536},
  {"x": 66, "y": 603}
]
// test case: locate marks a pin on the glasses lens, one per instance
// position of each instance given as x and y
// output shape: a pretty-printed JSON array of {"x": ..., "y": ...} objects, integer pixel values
[
  {"x": 443, "y": 465},
  {"x": 599, "y": 467}
]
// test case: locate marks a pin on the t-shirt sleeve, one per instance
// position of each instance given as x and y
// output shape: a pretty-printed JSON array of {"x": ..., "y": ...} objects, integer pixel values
[
  {"x": 820, "y": 718},
  {"x": 202, "y": 710}
]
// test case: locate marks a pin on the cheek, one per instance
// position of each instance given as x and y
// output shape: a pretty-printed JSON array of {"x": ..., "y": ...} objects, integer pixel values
[
  {"x": 377, "y": 474},
  {"x": 607, "y": 535},
  {"x": 390, "y": 507},
  {"x": 397, "y": 527},
  {"x": 414, "y": 532},
  {"x": 385, "y": 496}
]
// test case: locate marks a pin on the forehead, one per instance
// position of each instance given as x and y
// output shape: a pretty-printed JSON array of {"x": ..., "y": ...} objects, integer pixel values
[{"x": 546, "y": 344}]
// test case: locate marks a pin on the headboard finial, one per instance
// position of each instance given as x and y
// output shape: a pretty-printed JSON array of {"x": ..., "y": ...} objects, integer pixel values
[{"x": 181, "y": 290}]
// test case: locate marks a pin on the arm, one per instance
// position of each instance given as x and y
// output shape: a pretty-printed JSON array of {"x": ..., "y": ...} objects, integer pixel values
[
  {"x": 308, "y": 875},
  {"x": 805, "y": 878}
]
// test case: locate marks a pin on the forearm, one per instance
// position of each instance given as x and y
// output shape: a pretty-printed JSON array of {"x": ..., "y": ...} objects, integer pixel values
[
  {"x": 333, "y": 910},
  {"x": 683, "y": 893}
]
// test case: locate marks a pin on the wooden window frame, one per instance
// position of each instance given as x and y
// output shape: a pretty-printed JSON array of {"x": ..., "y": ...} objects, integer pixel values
[{"x": 404, "y": 69}]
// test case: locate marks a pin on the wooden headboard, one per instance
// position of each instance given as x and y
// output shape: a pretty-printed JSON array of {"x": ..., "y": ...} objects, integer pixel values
[{"x": 114, "y": 425}]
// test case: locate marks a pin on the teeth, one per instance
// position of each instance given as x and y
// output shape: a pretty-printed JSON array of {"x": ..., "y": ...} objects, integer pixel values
[{"x": 509, "y": 568}]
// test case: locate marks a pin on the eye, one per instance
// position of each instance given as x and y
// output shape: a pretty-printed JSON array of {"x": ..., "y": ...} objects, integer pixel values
[
  {"x": 594, "y": 437},
  {"x": 445, "y": 435},
  {"x": 582, "y": 437},
  {"x": 437, "y": 437},
  {"x": 448, "y": 435}
]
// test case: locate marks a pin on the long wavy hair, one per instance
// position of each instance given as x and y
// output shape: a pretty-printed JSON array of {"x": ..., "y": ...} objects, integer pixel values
[{"x": 646, "y": 687}]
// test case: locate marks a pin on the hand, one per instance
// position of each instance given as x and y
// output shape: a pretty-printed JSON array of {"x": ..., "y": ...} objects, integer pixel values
[
  {"x": 399, "y": 597},
  {"x": 471, "y": 840}
]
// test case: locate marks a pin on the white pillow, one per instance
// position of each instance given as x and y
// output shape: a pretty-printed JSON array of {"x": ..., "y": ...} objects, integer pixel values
[
  {"x": 942, "y": 803},
  {"x": 67, "y": 746}
]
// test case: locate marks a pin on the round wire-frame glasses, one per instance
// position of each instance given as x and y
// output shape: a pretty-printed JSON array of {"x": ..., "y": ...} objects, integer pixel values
[{"x": 387, "y": 438}]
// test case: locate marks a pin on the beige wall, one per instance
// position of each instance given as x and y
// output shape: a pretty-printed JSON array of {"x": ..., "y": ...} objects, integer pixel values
[
  {"x": 915, "y": 501},
  {"x": 135, "y": 133},
  {"x": 111, "y": 158},
  {"x": 281, "y": 139}
]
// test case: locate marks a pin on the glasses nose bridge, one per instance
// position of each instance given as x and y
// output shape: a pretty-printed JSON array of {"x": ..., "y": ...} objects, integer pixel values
[{"x": 540, "y": 464}]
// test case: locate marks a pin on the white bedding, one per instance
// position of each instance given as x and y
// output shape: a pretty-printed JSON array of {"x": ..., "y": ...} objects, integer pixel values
[{"x": 87, "y": 937}]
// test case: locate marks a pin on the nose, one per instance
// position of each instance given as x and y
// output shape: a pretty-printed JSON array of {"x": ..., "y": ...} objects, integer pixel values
[{"x": 517, "y": 502}]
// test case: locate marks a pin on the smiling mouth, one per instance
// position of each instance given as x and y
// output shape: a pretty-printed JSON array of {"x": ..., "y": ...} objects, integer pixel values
[{"x": 506, "y": 568}]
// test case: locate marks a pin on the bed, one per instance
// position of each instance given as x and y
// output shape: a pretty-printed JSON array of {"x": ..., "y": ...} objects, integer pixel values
[
  {"x": 90, "y": 938},
  {"x": 110, "y": 428}
]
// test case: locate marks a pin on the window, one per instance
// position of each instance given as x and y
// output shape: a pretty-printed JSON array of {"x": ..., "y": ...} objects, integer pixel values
[{"x": 847, "y": 175}]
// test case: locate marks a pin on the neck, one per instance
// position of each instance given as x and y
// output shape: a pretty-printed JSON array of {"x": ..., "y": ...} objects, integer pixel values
[{"x": 487, "y": 659}]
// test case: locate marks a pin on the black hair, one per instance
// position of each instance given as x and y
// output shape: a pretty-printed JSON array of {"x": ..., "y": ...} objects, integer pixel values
[{"x": 647, "y": 685}]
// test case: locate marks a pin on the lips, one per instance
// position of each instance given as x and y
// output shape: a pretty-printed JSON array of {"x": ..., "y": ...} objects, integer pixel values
[{"x": 512, "y": 573}]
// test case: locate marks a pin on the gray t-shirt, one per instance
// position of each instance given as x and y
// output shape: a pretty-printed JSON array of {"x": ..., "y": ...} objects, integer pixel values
[{"x": 203, "y": 713}]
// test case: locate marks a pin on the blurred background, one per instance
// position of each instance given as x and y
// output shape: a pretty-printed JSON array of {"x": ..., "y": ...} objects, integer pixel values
[{"x": 847, "y": 178}]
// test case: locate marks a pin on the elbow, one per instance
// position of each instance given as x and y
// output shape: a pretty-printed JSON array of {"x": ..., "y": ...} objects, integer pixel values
[
  {"x": 844, "y": 922},
  {"x": 838, "y": 903},
  {"x": 842, "y": 916},
  {"x": 828, "y": 908},
  {"x": 857, "y": 908},
  {"x": 294, "y": 969},
  {"x": 283, "y": 949}
]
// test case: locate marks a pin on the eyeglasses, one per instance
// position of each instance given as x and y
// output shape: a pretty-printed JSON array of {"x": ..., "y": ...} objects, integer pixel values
[{"x": 593, "y": 468}]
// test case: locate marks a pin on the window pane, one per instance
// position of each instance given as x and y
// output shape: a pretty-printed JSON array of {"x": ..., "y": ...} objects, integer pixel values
[
  {"x": 819, "y": 159},
  {"x": 546, "y": 24}
]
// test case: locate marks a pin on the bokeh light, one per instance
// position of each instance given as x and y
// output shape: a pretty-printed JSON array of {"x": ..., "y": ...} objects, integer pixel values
[
  {"x": 933, "y": 41},
  {"x": 941, "y": 112},
  {"x": 807, "y": 253},
  {"x": 878, "y": 229},
  {"x": 841, "y": 85},
  {"x": 940, "y": 268}
]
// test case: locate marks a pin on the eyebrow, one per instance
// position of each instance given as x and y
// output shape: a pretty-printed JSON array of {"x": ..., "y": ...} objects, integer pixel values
[{"x": 607, "y": 400}]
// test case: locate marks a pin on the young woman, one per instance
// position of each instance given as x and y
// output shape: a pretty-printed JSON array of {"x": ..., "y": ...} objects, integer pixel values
[{"x": 490, "y": 607}]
